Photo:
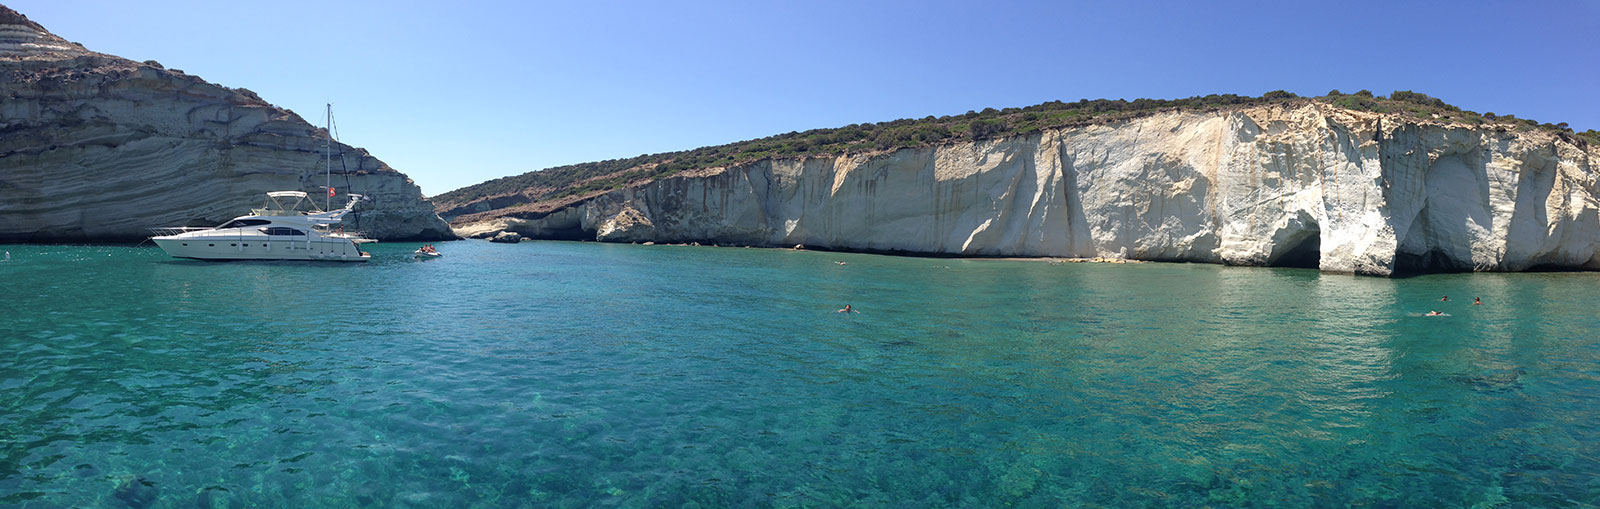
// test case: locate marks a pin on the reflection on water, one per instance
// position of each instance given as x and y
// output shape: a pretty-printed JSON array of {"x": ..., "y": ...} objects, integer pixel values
[{"x": 566, "y": 374}]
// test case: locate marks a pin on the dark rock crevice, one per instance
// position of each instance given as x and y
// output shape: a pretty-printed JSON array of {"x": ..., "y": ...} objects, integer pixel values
[{"x": 1303, "y": 254}]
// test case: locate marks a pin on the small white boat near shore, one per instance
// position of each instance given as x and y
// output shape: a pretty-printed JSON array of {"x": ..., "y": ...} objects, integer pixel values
[{"x": 425, "y": 255}]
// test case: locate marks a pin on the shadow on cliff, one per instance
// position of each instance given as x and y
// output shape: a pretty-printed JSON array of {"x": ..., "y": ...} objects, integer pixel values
[{"x": 1450, "y": 194}]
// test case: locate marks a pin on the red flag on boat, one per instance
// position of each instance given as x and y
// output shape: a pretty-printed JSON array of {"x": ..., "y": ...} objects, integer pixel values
[{"x": 330, "y": 191}]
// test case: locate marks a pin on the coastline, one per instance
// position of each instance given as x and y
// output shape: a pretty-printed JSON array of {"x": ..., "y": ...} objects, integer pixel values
[{"x": 1054, "y": 260}]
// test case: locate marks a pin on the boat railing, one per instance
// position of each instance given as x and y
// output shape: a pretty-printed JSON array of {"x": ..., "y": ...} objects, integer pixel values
[
  {"x": 357, "y": 237},
  {"x": 277, "y": 212},
  {"x": 175, "y": 230}
]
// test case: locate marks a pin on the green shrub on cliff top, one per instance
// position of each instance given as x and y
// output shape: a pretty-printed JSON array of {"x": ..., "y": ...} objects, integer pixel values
[
  {"x": 580, "y": 179},
  {"x": 1591, "y": 136}
]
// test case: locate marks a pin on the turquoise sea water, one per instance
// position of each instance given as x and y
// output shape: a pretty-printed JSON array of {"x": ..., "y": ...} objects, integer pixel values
[{"x": 554, "y": 374}]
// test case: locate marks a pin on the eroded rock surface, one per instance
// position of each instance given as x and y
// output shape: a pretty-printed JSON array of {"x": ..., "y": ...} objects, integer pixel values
[
  {"x": 1308, "y": 185},
  {"x": 95, "y": 147}
]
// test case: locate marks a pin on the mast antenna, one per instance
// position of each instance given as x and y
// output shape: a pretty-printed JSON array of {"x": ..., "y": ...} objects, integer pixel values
[{"x": 327, "y": 152}]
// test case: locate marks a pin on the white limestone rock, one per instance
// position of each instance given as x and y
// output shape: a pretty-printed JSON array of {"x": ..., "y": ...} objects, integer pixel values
[
  {"x": 1309, "y": 184},
  {"x": 627, "y": 225}
]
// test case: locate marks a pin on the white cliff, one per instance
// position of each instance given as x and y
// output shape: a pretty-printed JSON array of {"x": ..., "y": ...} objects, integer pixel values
[
  {"x": 99, "y": 148},
  {"x": 1306, "y": 184}
]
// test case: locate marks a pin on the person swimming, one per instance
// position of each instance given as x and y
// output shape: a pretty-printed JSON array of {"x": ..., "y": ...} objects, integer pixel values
[
  {"x": 847, "y": 310},
  {"x": 840, "y": 263},
  {"x": 1476, "y": 302},
  {"x": 1434, "y": 313},
  {"x": 1444, "y": 298}
]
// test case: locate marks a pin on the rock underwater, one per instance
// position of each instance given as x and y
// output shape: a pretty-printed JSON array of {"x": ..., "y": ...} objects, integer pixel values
[
  {"x": 94, "y": 147},
  {"x": 1301, "y": 185}
]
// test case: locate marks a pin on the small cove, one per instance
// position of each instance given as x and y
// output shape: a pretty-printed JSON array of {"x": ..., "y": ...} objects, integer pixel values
[{"x": 578, "y": 374}]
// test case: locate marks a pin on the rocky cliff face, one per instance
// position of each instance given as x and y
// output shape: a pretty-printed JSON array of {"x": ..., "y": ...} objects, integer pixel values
[
  {"x": 1307, "y": 185},
  {"x": 98, "y": 148}
]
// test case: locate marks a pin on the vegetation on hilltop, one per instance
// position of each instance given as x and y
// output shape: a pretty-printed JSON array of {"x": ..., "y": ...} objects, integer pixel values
[
  {"x": 566, "y": 182},
  {"x": 1421, "y": 106}
]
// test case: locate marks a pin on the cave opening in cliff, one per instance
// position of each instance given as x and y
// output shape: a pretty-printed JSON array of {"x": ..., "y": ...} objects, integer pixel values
[
  {"x": 564, "y": 234},
  {"x": 1550, "y": 267},
  {"x": 1306, "y": 253},
  {"x": 1433, "y": 261}
]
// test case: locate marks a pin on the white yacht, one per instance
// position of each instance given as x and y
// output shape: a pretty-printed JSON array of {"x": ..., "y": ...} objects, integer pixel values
[
  {"x": 297, "y": 230},
  {"x": 278, "y": 230}
]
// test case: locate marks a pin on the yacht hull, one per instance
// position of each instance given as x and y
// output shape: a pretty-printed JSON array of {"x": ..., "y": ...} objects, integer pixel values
[{"x": 201, "y": 248}]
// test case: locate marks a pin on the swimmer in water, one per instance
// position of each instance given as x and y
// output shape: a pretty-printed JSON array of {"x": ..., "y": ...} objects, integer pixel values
[
  {"x": 840, "y": 263},
  {"x": 1434, "y": 313},
  {"x": 847, "y": 310},
  {"x": 1476, "y": 302},
  {"x": 1444, "y": 298}
]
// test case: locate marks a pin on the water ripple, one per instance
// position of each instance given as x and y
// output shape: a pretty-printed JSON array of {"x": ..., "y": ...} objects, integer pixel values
[{"x": 567, "y": 374}]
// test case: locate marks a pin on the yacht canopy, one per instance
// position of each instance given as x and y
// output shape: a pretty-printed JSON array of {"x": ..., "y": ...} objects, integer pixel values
[{"x": 274, "y": 206}]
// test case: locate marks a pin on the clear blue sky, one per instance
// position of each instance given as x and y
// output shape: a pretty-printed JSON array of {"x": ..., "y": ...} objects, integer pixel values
[{"x": 458, "y": 93}]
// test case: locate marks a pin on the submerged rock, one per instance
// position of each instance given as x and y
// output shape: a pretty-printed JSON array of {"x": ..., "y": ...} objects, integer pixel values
[
  {"x": 136, "y": 492},
  {"x": 100, "y": 148},
  {"x": 216, "y": 497}
]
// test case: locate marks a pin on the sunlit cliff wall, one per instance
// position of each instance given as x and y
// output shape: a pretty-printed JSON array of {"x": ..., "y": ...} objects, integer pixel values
[{"x": 1305, "y": 185}]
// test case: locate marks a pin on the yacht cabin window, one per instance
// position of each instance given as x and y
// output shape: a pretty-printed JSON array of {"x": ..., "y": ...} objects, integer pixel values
[
  {"x": 241, "y": 223},
  {"x": 279, "y": 230}
]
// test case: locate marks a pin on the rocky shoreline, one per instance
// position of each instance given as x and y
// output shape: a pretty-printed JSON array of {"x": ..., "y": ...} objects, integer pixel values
[{"x": 514, "y": 238}]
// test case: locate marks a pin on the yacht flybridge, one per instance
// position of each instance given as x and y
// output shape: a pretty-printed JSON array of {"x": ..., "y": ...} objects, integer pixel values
[{"x": 280, "y": 230}]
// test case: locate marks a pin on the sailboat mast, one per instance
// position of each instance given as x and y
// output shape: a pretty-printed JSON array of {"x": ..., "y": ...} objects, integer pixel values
[{"x": 327, "y": 152}]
